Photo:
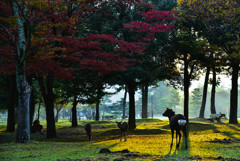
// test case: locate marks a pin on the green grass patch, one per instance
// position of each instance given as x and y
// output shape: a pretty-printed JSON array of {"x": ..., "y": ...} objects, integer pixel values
[{"x": 149, "y": 141}]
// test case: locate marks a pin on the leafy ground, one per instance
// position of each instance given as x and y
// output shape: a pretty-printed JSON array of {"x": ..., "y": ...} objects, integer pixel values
[{"x": 150, "y": 141}]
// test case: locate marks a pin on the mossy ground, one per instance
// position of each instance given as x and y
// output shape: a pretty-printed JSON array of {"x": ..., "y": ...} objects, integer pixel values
[{"x": 150, "y": 141}]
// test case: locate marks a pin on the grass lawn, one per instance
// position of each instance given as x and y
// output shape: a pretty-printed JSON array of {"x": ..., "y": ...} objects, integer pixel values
[{"x": 150, "y": 141}]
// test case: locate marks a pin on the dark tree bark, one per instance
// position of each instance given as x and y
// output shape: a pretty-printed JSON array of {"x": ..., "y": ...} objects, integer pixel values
[
  {"x": 32, "y": 104},
  {"x": 74, "y": 112},
  {"x": 131, "y": 120},
  {"x": 97, "y": 110},
  {"x": 23, "y": 88},
  {"x": 48, "y": 97},
  {"x": 204, "y": 96},
  {"x": 24, "y": 92},
  {"x": 124, "y": 103},
  {"x": 145, "y": 100},
  {"x": 11, "y": 103},
  {"x": 186, "y": 87},
  {"x": 234, "y": 94},
  {"x": 213, "y": 92}
]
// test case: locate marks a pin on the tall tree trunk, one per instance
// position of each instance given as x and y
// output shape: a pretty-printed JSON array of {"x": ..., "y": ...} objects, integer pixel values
[
  {"x": 48, "y": 97},
  {"x": 23, "y": 88},
  {"x": 74, "y": 112},
  {"x": 124, "y": 103},
  {"x": 186, "y": 88},
  {"x": 131, "y": 119},
  {"x": 11, "y": 103},
  {"x": 145, "y": 100},
  {"x": 97, "y": 110},
  {"x": 32, "y": 104},
  {"x": 24, "y": 92},
  {"x": 204, "y": 96},
  {"x": 100, "y": 86},
  {"x": 234, "y": 94},
  {"x": 213, "y": 92}
]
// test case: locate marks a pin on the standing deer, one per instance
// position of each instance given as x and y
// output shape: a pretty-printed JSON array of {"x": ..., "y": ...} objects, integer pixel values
[
  {"x": 177, "y": 122},
  {"x": 123, "y": 129},
  {"x": 88, "y": 129}
]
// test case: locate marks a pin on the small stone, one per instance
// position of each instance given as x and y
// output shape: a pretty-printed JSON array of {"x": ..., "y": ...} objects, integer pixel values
[{"x": 104, "y": 150}]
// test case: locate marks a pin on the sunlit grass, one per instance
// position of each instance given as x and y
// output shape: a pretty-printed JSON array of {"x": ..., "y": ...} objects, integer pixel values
[
  {"x": 151, "y": 141},
  {"x": 199, "y": 141}
]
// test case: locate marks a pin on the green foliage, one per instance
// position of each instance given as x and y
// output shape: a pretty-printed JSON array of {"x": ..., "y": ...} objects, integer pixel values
[
  {"x": 174, "y": 98},
  {"x": 196, "y": 101},
  {"x": 196, "y": 97}
]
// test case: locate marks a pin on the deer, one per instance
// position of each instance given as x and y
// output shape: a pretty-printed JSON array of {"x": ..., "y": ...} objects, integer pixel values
[
  {"x": 223, "y": 115},
  {"x": 123, "y": 130},
  {"x": 88, "y": 129},
  {"x": 37, "y": 127},
  {"x": 177, "y": 122}
]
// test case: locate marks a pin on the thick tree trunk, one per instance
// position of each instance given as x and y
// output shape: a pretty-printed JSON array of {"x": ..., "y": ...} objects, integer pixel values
[
  {"x": 234, "y": 94},
  {"x": 124, "y": 103},
  {"x": 48, "y": 97},
  {"x": 213, "y": 92},
  {"x": 145, "y": 100},
  {"x": 204, "y": 96},
  {"x": 24, "y": 92},
  {"x": 11, "y": 103},
  {"x": 186, "y": 89},
  {"x": 74, "y": 112},
  {"x": 23, "y": 88},
  {"x": 131, "y": 119}
]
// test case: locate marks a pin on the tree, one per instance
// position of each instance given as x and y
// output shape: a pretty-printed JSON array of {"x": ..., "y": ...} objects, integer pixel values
[
  {"x": 8, "y": 99},
  {"x": 204, "y": 96},
  {"x": 157, "y": 62},
  {"x": 196, "y": 100},
  {"x": 16, "y": 26},
  {"x": 124, "y": 102},
  {"x": 189, "y": 54},
  {"x": 219, "y": 25},
  {"x": 174, "y": 98}
]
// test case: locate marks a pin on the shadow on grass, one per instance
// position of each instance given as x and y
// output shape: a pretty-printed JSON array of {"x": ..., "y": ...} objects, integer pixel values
[
  {"x": 180, "y": 152},
  {"x": 98, "y": 136},
  {"x": 236, "y": 128},
  {"x": 193, "y": 127}
]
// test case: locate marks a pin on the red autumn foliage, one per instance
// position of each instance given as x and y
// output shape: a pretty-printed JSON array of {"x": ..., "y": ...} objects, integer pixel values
[{"x": 54, "y": 48}]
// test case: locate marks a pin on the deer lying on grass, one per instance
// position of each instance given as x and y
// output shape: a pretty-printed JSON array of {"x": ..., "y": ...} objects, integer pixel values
[
  {"x": 123, "y": 129},
  {"x": 177, "y": 122},
  {"x": 36, "y": 127},
  {"x": 88, "y": 129}
]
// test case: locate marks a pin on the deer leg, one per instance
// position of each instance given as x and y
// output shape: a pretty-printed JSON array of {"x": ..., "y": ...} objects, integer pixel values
[
  {"x": 172, "y": 136},
  {"x": 179, "y": 138},
  {"x": 178, "y": 133}
]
